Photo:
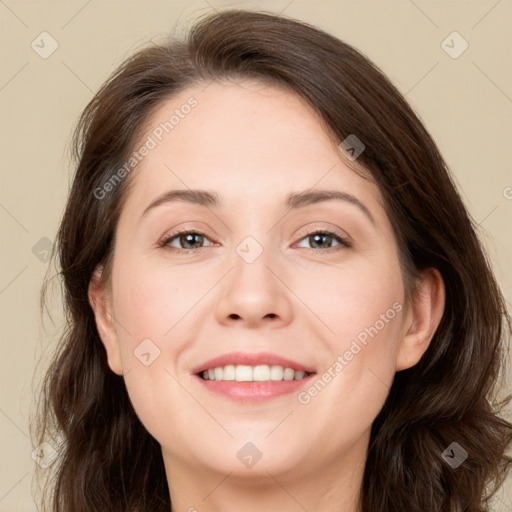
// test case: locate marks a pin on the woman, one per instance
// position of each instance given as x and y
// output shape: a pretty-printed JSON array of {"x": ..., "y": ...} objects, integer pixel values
[{"x": 276, "y": 297}]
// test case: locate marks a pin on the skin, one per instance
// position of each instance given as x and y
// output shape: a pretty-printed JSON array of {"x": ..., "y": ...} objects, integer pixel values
[{"x": 253, "y": 144}]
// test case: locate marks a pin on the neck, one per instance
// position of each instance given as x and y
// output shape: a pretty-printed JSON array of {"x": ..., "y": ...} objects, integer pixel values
[{"x": 331, "y": 486}]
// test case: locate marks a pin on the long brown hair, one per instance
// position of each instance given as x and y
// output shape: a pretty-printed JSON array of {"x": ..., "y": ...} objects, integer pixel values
[{"x": 107, "y": 460}]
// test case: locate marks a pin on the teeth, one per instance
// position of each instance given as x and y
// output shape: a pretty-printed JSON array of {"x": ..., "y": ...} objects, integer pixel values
[
  {"x": 261, "y": 373},
  {"x": 244, "y": 373},
  {"x": 229, "y": 372},
  {"x": 289, "y": 374}
]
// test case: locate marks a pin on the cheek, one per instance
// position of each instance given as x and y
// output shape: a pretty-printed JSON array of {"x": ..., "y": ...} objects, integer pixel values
[
  {"x": 157, "y": 308},
  {"x": 360, "y": 310},
  {"x": 343, "y": 401},
  {"x": 155, "y": 302},
  {"x": 359, "y": 298}
]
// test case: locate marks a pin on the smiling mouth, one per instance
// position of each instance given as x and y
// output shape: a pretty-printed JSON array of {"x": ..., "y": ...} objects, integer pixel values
[{"x": 257, "y": 373}]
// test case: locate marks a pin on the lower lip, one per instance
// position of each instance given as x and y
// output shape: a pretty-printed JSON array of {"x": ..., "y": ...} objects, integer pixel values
[{"x": 253, "y": 391}]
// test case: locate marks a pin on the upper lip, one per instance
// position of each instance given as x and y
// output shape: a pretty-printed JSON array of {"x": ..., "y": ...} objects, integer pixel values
[{"x": 244, "y": 358}]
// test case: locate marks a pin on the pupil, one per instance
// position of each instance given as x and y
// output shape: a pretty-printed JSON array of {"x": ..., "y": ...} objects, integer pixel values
[
  {"x": 189, "y": 238},
  {"x": 319, "y": 236}
]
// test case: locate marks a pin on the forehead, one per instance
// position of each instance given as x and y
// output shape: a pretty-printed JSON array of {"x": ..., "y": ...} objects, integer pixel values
[{"x": 241, "y": 139}]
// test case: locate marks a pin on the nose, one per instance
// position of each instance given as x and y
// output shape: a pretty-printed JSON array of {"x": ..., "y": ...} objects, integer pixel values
[{"x": 255, "y": 294}]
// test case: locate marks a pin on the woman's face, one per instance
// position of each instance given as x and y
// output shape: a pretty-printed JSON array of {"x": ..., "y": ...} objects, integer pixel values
[{"x": 252, "y": 279}]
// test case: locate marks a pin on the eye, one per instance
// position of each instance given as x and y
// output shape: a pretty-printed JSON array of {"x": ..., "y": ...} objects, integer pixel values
[
  {"x": 190, "y": 241},
  {"x": 321, "y": 239}
]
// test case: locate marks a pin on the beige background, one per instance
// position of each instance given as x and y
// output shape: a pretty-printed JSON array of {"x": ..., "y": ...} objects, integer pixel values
[{"x": 466, "y": 103}]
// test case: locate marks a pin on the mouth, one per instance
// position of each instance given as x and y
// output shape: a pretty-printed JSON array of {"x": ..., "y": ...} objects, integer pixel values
[
  {"x": 247, "y": 373},
  {"x": 252, "y": 377}
]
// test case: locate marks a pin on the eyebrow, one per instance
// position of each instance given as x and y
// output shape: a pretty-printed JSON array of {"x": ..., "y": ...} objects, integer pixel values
[{"x": 293, "y": 200}]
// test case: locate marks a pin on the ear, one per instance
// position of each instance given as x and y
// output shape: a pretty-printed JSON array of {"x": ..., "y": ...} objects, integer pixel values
[
  {"x": 101, "y": 304},
  {"x": 424, "y": 315}
]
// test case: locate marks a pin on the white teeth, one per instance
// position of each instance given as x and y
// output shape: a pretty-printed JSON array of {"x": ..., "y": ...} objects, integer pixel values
[
  {"x": 261, "y": 373},
  {"x": 245, "y": 373},
  {"x": 276, "y": 373},
  {"x": 229, "y": 372},
  {"x": 289, "y": 374}
]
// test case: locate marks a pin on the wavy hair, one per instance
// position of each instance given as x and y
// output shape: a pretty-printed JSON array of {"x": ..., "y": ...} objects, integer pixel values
[{"x": 107, "y": 460}]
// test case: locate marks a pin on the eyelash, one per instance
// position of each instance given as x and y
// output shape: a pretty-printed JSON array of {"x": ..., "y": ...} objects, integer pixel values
[{"x": 167, "y": 239}]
